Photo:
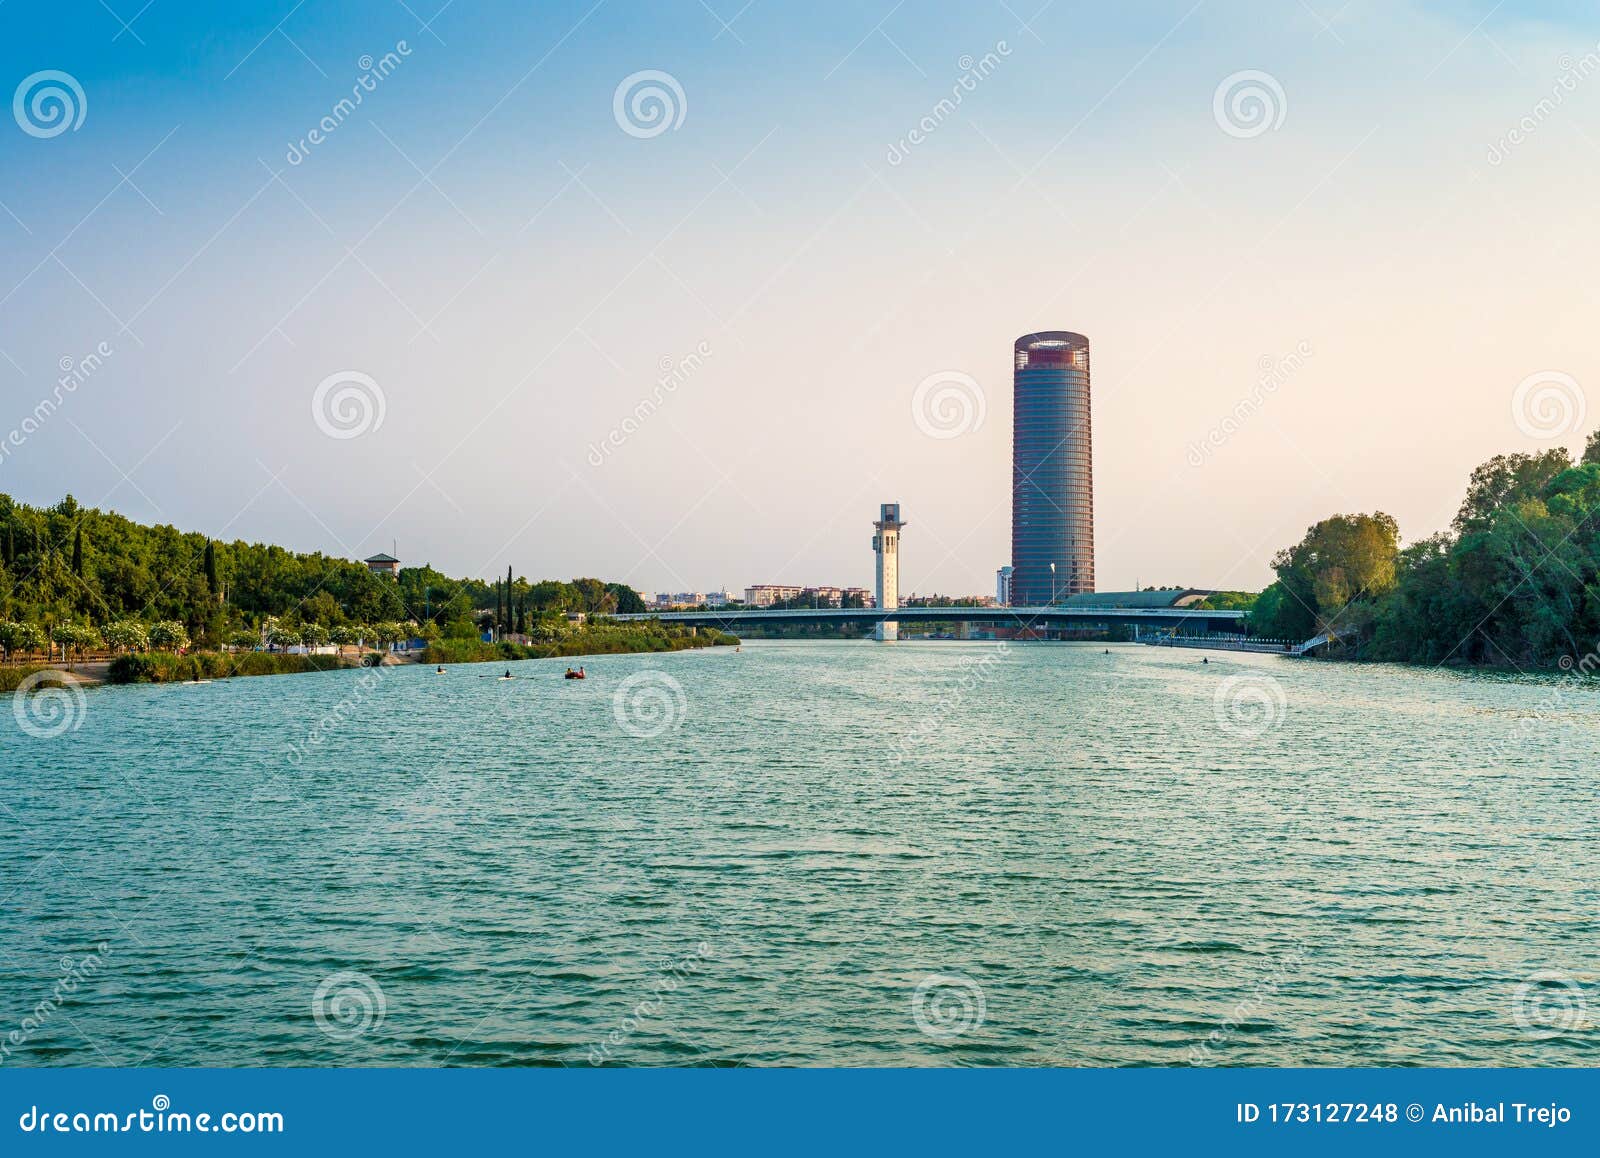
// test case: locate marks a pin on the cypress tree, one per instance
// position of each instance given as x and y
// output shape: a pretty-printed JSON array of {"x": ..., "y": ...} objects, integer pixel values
[
  {"x": 77, "y": 553},
  {"x": 211, "y": 567}
]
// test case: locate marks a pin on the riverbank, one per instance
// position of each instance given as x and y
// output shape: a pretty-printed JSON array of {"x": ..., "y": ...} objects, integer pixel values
[
  {"x": 603, "y": 639},
  {"x": 156, "y": 667}
]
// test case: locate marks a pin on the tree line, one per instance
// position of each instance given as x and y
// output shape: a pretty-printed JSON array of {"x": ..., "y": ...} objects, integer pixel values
[
  {"x": 1514, "y": 581},
  {"x": 75, "y": 578}
]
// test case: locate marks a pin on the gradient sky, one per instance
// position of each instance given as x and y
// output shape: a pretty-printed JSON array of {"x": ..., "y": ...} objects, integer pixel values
[{"x": 511, "y": 268}]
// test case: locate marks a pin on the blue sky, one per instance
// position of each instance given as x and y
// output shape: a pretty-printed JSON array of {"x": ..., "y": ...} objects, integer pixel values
[{"x": 509, "y": 269}]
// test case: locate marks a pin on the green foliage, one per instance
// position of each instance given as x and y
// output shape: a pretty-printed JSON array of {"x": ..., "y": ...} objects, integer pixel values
[
  {"x": 159, "y": 667},
  {"x": 1514, "y": 582},
  {"x": 1331, "y": 578},
  {"x": 594, "y": 639}
]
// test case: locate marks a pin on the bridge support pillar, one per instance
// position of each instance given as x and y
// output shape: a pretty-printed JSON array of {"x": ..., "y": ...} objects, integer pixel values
[{"x": 964, "y": 629}]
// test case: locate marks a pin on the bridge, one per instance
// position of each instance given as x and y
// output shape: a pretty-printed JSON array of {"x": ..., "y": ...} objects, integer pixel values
[{"x": 1032, "y": 617}]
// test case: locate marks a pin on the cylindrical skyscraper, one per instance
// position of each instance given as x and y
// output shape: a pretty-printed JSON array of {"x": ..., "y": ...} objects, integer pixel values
[{"x": 1052, "y": 470}]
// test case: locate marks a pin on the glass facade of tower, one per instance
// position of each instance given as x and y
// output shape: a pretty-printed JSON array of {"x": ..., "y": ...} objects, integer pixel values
[{"x": 1052, "y": 470}]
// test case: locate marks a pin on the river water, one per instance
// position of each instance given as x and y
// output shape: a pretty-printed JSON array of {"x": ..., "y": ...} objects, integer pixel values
[{"x": 808, "y": 854}]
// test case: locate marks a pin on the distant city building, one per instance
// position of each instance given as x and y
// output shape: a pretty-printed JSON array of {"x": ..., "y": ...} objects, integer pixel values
[
  {"x": 1052, "y": 470},
  {"x": 719, "y": 598},
  {"x": 383, "y": 565},
  {"x": 886, "y": 549},
  {"x": 1002, "y": 586},
  {"x": 766, "y": 594}
]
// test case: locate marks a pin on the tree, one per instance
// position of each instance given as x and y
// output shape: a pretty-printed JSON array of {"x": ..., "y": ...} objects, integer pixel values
[
  {"x": 627, "y": 600},
  {"x": 313, "y": 634},
  {"x": 77, "y": 552},
  {"x": 168, "y": 635},
  {"x": 74, "y": 637},
  {"x": 281, "y": 635},
  {"x": 125, "y": 635},
  {"x": 1507, "y": 479},
  {"x": 212, "y": 585}
]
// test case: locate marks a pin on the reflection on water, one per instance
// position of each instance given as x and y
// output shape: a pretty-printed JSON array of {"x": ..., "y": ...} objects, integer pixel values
[{"x": 811, "y": 853}]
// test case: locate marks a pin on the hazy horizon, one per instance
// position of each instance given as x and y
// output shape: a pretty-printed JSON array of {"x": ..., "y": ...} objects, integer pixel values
[{"x": 511, "y": 257}]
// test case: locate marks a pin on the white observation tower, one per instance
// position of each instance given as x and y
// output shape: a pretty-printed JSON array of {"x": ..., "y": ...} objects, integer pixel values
[{"x": 886, "y": 546}]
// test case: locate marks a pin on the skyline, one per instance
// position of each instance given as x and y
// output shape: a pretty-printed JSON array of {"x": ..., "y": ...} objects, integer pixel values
[{"x": 797, "y": 266}]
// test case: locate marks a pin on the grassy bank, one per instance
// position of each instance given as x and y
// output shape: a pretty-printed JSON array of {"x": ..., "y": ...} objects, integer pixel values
[
  {"x": 11, "y": 677},
  {"x": 602, "y": 639},
  {"x": 160, "y": 667}
]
